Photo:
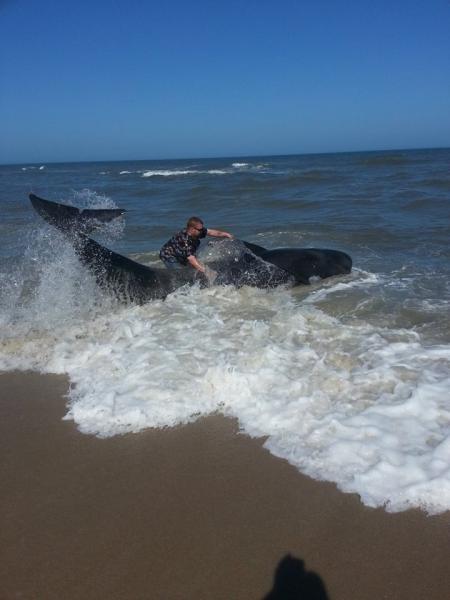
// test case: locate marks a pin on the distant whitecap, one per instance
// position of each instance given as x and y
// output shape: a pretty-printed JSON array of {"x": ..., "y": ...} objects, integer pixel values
[{"x": 167, "y": 173}]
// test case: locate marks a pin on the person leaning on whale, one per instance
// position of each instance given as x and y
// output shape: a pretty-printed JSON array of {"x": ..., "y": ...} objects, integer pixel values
[
  {"x": 130, "y": 281},
  {"x": 181, "y": 249}
]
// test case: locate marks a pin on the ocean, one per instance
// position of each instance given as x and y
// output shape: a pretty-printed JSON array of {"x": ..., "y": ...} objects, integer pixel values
[{"x": 348, "y": 378}]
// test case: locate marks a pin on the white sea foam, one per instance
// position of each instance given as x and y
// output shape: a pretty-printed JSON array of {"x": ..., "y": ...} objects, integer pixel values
[
  {"x": 178, "y": 172},
  {"x": 357, "y": 279},
  {"x": 41, "y": 168},
  {"x": 168, "y": 173},
  {"x": 243, "y": 166},
  {"x": 181, "y": 172},
  {"x": 346, "y": 402},
  {"x": 235, "y": 167}
]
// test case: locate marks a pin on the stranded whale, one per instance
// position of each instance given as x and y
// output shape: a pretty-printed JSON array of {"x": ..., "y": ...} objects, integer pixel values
[{"x": 236, "y": 262}]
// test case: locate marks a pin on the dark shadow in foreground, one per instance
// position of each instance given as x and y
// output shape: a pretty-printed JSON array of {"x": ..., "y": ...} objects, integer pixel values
[{"x": 293, "y": 582}]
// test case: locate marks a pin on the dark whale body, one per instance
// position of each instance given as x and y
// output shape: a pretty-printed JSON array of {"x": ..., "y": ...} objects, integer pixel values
[
  {"x": 304, "y": 263},
  {"x": 131, "y": 281},
  {"x": 127, "y": 279}
]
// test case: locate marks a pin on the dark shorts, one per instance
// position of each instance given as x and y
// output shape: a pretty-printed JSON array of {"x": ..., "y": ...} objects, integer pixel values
[{"x": 172, "y": 263}]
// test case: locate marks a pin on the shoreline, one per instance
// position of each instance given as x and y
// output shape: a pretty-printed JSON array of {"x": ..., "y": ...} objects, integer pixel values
[{"x": 196, "y": 511}]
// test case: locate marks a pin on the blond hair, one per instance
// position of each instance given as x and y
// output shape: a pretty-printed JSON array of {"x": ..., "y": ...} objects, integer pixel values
[{"x": 193, "y": 221}]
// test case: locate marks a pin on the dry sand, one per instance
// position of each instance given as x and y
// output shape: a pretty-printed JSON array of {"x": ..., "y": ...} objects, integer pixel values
[{"x": 196, "y": 512}]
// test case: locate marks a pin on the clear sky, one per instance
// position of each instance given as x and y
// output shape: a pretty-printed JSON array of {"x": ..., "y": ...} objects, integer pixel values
[{"x": 129, "y": 79}]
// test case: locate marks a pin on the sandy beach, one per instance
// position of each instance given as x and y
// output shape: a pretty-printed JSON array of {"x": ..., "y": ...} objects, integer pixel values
[{"x": 191, "y": 512}]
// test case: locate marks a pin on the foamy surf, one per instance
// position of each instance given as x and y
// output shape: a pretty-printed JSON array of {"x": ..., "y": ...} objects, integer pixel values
[
  {"x": 178, "y": 173},
  {"x": 355, "y": 404}
]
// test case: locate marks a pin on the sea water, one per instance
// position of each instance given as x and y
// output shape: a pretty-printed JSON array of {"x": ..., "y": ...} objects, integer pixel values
[{"x": 348, "y": 378}]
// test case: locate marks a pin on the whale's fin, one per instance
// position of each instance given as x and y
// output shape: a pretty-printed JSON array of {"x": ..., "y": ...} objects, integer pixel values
[{"x": 71, "y": 219}]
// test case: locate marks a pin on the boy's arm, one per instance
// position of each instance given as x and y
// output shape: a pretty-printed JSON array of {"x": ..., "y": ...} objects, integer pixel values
[
  {"x": 195, "y": 263},
  {"x": 218, "y": 233}
]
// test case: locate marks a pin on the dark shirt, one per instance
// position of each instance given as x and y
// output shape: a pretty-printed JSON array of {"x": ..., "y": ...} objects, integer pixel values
[{"x": 180, "y": 246}]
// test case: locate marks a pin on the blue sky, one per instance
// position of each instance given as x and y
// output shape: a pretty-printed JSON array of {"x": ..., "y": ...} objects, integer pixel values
[{"x": 128, "y": 79}]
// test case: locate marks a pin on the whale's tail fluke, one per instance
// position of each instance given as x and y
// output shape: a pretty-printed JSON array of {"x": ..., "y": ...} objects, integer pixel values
[{"x": 71, "y": 219}]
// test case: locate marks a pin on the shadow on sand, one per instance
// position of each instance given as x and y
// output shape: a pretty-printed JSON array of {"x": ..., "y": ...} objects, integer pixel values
[{"x": 293, "y": 582}]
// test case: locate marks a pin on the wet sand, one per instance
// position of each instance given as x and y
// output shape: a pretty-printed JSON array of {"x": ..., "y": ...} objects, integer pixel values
[{"x": 195, "y": 512}]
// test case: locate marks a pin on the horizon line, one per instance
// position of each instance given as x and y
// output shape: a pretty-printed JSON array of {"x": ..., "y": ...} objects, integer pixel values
[{"x": 230, "y": 156}]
